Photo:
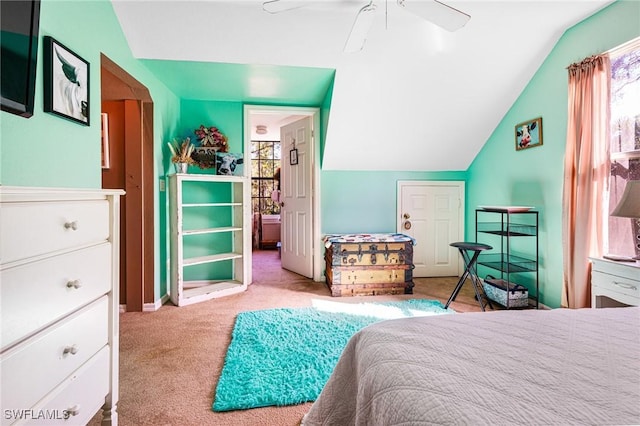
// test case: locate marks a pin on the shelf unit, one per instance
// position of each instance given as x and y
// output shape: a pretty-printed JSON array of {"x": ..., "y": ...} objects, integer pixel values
[
  {"x": 210, "y": 236},
  {"x": 501, "y": 228}
]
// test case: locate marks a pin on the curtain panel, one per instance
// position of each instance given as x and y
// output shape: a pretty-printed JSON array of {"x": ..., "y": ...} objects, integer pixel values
[{"x": 586, "y": 176}]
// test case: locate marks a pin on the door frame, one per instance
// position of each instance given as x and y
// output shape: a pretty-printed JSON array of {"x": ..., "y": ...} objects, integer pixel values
[
  {"x": 139, "y": 235},
  {"x": 462, "y": 208},
  {"x": 316, "y": 237}
]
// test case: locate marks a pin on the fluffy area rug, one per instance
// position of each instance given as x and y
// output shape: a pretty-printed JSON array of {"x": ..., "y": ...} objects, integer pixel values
[{"x": 285, "y": 356}]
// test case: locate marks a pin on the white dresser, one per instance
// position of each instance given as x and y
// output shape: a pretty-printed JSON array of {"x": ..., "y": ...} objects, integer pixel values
[
  {"x": 614, "y": 283},
  {"x": 59, "y": 254}
]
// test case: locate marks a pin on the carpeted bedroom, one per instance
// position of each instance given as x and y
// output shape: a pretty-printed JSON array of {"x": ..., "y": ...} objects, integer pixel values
[{"x": 171, "y": 361}]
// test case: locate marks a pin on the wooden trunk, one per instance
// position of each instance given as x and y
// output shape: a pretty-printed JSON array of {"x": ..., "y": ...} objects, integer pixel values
[
  {"x": 369, "y": 280},
  {"x": 367, "y": 265},
  {"x": 373, "y": 289},
  {"x": 360, "y": 254}
]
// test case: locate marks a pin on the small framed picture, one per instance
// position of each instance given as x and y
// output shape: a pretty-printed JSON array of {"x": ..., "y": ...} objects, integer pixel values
[
  {"x": 105, "y": 140},
  {"x": 229, "y": 164},
  {"x": 529, "y": 134},
  {"x": 66, "y": 82},
  {"x": 293, "y": 157}
]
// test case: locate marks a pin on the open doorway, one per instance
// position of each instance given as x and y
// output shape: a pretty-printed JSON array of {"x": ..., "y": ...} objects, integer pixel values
[
  {"x": 267, "y": 151},
  {"x": 128, "y": 107}
]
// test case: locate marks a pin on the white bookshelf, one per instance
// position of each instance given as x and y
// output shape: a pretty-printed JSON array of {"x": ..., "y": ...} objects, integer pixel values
[{"x": 210, "y": 236}]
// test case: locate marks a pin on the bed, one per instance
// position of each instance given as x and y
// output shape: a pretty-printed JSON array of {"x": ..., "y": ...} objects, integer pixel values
[{"x": 545, "y": 367}]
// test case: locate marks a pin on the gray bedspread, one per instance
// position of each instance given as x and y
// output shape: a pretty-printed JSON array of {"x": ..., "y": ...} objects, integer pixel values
[{"x": 553, "y": 367}]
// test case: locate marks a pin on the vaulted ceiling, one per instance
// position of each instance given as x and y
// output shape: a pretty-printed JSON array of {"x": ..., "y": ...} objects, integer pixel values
[{"x": 416, "y": 97}]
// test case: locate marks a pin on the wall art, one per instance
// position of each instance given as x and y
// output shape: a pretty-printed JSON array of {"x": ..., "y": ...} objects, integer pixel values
[
  {"x": 529, "y": 134},
  {"x": 66, "y": 82}
]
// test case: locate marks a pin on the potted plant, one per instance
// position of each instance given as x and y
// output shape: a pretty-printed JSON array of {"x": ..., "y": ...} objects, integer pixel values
[{"x": 181, "y": 154}]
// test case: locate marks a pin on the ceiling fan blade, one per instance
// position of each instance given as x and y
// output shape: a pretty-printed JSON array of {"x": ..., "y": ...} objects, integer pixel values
[
  {"x": 277, "y": 6},
  {"x": 360, "y": 29},
  {"x": 447, "y": 17}
]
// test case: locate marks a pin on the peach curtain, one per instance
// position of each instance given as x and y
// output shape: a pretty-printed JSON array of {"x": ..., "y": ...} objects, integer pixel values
[{"x": 586, "y": 176}]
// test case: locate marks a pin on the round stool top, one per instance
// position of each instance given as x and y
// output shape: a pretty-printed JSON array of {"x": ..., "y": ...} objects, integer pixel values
[{"x": 471, "y": 246}]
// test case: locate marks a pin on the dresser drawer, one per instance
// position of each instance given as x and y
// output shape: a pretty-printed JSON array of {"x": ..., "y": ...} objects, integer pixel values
[
  {"x": 81, "y": 395},
  {"x": 32, "y": 229},
  {"x": 612, "y": 283},
  {"x": 36, "y": 367},
  {"x": 35, "y": 295}
]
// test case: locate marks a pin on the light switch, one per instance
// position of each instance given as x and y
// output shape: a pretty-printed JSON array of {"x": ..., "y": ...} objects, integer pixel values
[{"x": 162, "y": 185}]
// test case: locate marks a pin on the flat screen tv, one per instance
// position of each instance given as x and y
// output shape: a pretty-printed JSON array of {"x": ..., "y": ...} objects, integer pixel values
[{"x": 19, "y": 22}]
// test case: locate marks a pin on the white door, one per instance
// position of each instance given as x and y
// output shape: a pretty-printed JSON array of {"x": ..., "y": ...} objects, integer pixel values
[
  {"x": 296, "y": 197},
  {"x": 433, "y": 214}
]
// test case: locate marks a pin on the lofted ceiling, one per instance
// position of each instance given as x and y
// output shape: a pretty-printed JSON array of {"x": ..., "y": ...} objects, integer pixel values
[{"x": 406, "y": 93}]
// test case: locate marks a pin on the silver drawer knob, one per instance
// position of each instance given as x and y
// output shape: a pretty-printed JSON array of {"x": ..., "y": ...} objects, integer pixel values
[
  {"x": 71, "y": 225},
  {"x": 74, "y": 284},
  {"x": 73, "y": 349},
  {"x": 73, "y": 411}
]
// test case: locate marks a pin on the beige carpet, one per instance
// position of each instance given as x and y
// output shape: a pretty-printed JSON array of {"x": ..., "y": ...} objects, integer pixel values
[{"x": 170, "y": 360}]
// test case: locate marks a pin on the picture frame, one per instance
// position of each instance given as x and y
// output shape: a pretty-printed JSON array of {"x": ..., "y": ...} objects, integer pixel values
[
  {"x": 229, "y": 164},
  {"x": 529, "y": 134},
  {"x": 293, "y": 157},
  {"x": 104, "y": 122},
  {"x": 66, "y": 82}
]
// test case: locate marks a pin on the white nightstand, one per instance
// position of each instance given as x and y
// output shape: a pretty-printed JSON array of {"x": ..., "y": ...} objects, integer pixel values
[{"x": 614, "y": 283}]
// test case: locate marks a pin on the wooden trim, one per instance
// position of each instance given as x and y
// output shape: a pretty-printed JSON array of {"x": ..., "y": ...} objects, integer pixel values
[
  {"x": 138, "y": 287},
  {"x": 134, "y": 207},
  {"x": 148, "y": 285}
]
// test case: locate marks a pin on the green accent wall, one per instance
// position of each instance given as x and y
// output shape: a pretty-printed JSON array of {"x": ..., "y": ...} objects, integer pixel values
[
  {"x": 48, "y": 151},
  {"x": 256, "y": 84},
  {"x": 534, "y": 177},
  {"x": 365, "y": 202},
  {"x": 226, "y": 116}
]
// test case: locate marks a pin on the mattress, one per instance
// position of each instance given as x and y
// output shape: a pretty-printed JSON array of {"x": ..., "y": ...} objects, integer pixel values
[{"x": 545, "y": 367}]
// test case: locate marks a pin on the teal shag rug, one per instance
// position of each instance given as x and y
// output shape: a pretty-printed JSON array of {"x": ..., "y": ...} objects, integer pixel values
[{"x": 285, "y": 356}]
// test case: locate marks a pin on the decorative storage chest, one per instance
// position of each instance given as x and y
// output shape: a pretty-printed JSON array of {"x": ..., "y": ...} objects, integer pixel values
[{"x": 369, "y": 264}]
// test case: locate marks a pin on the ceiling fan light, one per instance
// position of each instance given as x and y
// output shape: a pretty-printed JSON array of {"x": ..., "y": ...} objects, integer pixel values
[
  {"x": 440, "y": 14},
  {"x": 360, "y": 29}
]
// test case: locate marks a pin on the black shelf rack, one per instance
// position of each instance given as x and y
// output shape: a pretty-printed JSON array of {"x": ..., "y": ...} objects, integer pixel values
[{"x": 505, "y": 224}]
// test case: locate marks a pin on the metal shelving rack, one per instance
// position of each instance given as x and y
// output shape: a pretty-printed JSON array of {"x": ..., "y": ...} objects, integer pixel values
[{"x": 513, "y": 223}]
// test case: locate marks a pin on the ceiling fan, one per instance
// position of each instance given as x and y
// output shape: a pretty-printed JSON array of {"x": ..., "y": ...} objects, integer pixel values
[{"x": 434, "y": 11}]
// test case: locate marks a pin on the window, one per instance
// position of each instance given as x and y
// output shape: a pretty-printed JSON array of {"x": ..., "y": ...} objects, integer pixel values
[
  {"x": 624, "y": 233},
  {"x": 265, "y": 160}
]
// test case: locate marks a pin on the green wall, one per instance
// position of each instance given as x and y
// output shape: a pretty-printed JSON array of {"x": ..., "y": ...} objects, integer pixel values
[
  {"x": 48, "y": 151},
  {"x": 365, "y": 202},
  {"x": 226, "y": 116},
  {"x": 61, "y": 153},
  {"x": 351, "y": 201},
  {"x": 534, "y": 177}
]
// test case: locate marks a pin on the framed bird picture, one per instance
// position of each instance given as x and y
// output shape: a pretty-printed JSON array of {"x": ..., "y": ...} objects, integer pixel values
[{"x": 66, "y": 82}]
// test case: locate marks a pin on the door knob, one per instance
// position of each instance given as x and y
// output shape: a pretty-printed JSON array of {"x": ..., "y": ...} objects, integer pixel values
[{"x": 406, "y": 225}]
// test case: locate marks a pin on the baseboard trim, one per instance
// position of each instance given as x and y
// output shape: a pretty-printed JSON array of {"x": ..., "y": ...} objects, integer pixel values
[
  {"x": 152, "y": 307},
  {"x": 540, "y": 305},
  {"x": 149, "y": 307}
]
